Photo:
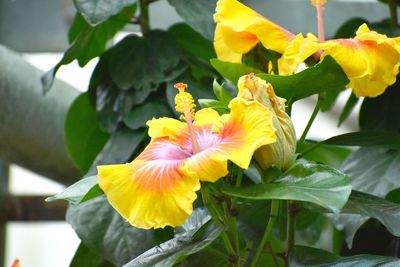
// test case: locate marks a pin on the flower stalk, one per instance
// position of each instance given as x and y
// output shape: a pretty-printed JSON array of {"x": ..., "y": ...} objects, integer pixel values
[{"x": 144, "y": 20}]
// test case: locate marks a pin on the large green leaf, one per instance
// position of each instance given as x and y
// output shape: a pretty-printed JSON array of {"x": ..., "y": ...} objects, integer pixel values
[
  {"x": 323, "y": 153},
  {"x": 363, "y": 139},
  {"x": 83, "y": 136},
  {"x": 192, "y": 42},
  {"x": 175, "y": 250},
  {"x": 139, "y": 115},
  {"x": 97, "y": 11},
  {"x": 232, "y": 71},
  {"x": 324, "y": 76},
  {"x": 144, "y": 62},
  {"x": 381, "y": 113},
  {"x": 105, "y": 232},
  {"x": 76, "y": 192},
  {"x": 198, "y": 14},
  {"x": 315, "y": 183},
  {"x": 374, "y": 171},
  {"x": 312, "y": 257},
  {"x": 120, "y": 147},
  {"x": 387, "y": 212},
  {"x": 88, "y": 42},
  {"x": 84, "y": 257}
]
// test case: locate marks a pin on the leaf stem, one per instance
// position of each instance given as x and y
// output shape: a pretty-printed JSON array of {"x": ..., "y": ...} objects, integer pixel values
[
  {"x": 271, "y": 222},
  {"x": 144, "y": 16},
  {"x": 215, "y": 215},
  {"x": 291, "y": 226},
  {"x": 312, "y": 118},
  {"x": 393, "y": 13}
]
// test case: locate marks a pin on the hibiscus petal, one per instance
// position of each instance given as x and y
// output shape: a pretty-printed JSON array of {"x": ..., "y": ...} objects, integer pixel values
[
  {"x": 152, "y": 191},
  {"x": 245, "y": 24},
  {"x": 248, "y": 127}
]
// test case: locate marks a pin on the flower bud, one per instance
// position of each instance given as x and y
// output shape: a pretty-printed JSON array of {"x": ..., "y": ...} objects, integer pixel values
[{"x": 280, "y": 153}]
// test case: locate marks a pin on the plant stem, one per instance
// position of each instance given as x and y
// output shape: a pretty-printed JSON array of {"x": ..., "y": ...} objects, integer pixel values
[
  {"x": 291, "y": 226},
  {"x": 393, "y": 13},
  {"x": 271, "y": 222},
  {"x": 312, "y": 118},
  {"x": 144, "y": 17},
  {"x": 215, "y": 215}
]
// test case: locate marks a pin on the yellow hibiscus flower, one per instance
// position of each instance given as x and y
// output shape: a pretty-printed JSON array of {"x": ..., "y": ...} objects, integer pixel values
[{"x": 157, "y": 189}]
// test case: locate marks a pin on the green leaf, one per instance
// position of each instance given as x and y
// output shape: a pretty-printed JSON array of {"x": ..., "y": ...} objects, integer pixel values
[
  {"x": 84, "y": 257},
  {"x": 348, "y": 108},
  {"x": 139, "y": 115},
  {"x": 198, "y": 14},
  {"x": 83, "y": 136},
  {"x": 192, "y": 42},
  {"x": 349, "y": 28},
  {"x": 144, "y": 62},
  {"x": 76, "y": 192},
  {"x": 324, "y": 76},
  {"x": 232, "y": 71},
  {"x": 387, "y": 212},
  {"x": 221, "y": 93},
  {"x": 120, "y": 147},
  {"x": 315, "y": 183},
  {"x": 312, "y": 257},
  {"x": 364, "y": 139},
  {"x": 381, "y": 113},
  {"x": 97, "y": 11},
  {"x": 88, "y": 42},
  {"x": 322, "y": 153},
  {"x": 373, "y": 171},
  {"x": 173, "y": 251},
  {"x": 105, "y": 232}
]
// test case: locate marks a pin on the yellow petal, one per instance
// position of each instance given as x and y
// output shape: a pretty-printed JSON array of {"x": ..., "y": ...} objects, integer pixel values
[
  {"x": 223, "y": 51},
  {"x": 206, "y": 116},
  {"x": 150, "y": 193},
  {"x": 164, "y": 127},
  {"x": 241, "y": 28}
]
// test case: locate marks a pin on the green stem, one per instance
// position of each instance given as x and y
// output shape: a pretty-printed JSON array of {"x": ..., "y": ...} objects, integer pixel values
[
  {"x": 393, "y": 13},
  {"x": 216, "y": 217},
  {"x": 291, "y": 226},
  {"x": 144, "y": 16},
  {"x": 312, "y": 118},
  {"x": 239, "y": 177},
  {"x": 272, "y": 218}
]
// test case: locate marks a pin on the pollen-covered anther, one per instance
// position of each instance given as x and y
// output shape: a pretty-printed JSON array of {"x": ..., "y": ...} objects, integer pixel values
[
  {"x": 318, "y": 2},
  {"x": 184, "y": 102}
]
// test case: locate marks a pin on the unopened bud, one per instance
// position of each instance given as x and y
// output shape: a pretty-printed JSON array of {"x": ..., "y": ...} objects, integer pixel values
[{"x": 280, "y": 153}]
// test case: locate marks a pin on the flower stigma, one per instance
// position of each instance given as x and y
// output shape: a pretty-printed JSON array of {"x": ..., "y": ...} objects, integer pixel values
[
  {"x": 184, "y": 103},
  {"x": 319, "y": 4}
]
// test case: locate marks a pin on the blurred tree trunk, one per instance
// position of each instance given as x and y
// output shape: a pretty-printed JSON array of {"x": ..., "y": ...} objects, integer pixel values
[{"x": 31, "y": 124}]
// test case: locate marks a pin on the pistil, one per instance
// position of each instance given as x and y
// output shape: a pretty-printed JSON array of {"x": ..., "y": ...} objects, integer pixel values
[
  {"x": 319, "y": 4},
  {"x": 184, "y": 103}
]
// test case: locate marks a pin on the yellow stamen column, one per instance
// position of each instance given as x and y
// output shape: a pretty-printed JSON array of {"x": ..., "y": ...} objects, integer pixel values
[{"x": 184, "y": 103}]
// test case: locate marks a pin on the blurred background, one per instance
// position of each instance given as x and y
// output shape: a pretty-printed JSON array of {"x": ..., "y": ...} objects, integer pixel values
[{"x": 35, "y": 33}]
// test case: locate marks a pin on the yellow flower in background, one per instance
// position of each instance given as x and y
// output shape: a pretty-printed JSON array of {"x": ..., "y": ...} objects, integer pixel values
[
  {"x": 157, "y": 189},
  {"x": 240, "y": 28},
  {"x": 370, "y": 60},
  {"x": 281, "y": 152}
]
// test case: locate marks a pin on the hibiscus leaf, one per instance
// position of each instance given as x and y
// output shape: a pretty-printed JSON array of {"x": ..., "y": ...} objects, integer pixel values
[
  {"x": 363, "y": 206},
  {"x": 232, "y": 71},
  {"x": 105, "y": 232},
  {"x": 88, "y": 42},
  {"x": 144, "y": 62},
  {"x": 381, "y": 113},
  {"x": 198, "y": 14},
  {"x": 97, "y": 11},
  {"x": 307, "y": 256},
  {"x": 76, "y": 192},
  {"x": 84, "y": 257},
  {"x": 83, "y": 136},
  {"x": 315, "y": 183},
  {"x": 374, "y": 171},
  {"x": 175, "y": 250},
  {"x": 324, "y": 76}
]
